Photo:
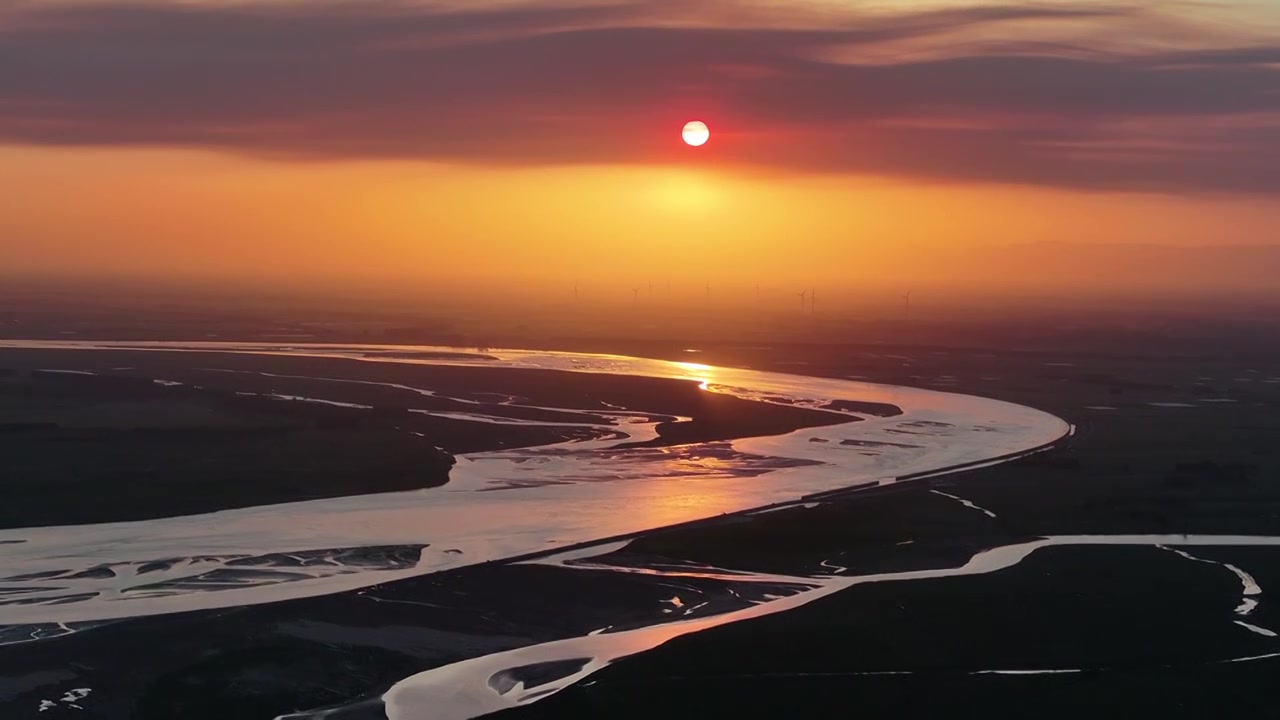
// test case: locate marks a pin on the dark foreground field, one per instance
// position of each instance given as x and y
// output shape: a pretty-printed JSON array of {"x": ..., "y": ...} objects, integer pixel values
[{"x": 1185, "y": 445}]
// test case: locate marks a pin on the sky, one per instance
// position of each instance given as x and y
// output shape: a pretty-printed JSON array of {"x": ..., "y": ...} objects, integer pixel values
[{"x": 448, "y": 144}]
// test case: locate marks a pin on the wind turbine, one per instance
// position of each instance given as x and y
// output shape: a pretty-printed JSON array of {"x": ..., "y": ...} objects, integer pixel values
[
  {"x": 906, "y": 303},
  {"x": 635, "y": 297},
  {"x": 802, "y": 297},
  {"x": 813, "y": 300}
]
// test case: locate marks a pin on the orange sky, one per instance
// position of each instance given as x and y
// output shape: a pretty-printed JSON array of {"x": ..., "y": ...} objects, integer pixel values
[{"x": 540, "y": 146}]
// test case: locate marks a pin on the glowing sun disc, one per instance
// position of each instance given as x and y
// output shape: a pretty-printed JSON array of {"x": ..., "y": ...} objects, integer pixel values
[{"x": 695, "y": 133}]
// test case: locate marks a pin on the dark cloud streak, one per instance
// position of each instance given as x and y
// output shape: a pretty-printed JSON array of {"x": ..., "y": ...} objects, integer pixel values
[{"x": 529, "y": 85}]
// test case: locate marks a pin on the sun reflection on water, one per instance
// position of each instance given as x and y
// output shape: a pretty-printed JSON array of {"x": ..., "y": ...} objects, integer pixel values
[{"x": 697, "y": 371}]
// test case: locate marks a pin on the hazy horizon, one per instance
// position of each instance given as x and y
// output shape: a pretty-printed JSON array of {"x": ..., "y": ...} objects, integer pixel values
[{"x": 1041, "y": 274}]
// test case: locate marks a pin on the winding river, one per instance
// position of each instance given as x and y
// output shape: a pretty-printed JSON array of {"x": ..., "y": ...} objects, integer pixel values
[{"x": 500, "y": 505}]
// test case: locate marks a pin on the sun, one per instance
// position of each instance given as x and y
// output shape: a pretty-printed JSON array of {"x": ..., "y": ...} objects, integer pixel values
[{"x": 695, "y": 133}]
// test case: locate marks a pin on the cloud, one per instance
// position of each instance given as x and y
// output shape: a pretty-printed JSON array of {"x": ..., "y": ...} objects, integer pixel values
[{"x": 530, "y": 84}]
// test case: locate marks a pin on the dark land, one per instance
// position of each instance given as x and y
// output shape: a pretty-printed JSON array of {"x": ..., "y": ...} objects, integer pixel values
[
  {"x": 1187, "y": 446},
  {"x": 1148, "y": 629},
  {"x": 118, "y": 445}
]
